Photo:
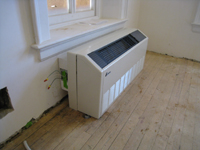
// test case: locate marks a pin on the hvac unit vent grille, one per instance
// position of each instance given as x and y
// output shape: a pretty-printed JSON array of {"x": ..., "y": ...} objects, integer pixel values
[{"x": 110, "y": 52}]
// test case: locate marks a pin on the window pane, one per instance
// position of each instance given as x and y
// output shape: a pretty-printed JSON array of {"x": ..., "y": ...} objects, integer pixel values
[
  {"x": 57, "y": 6},
  {"x": 83, "y": 5}
]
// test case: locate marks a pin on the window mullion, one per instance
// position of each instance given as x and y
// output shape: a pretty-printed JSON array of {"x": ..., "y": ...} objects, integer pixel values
[
  {"x": 92, "y": 4},
  {"x": 71, "y": 6}
]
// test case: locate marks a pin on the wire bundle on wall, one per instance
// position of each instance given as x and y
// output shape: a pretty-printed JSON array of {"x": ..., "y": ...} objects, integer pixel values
[{"x": 63, "y": 77}]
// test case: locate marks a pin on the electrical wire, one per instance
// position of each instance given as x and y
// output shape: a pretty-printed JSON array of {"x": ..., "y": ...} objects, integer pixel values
[
  {"x": 52, "y": 82},
  {"x": 51, "y": 74},
  {"x": 26, "y": 145}
]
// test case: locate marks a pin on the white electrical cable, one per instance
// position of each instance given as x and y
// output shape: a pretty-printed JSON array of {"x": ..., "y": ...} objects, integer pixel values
[{"x": 26, "y": 145}]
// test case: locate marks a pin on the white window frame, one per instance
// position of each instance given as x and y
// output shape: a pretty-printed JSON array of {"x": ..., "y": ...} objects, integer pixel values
[
  {"x": 72, "y": 15},
  {"x": 42, "y": 22},
  {"x": 196, "y": 23},
  {"x": 50, "y": 40}
]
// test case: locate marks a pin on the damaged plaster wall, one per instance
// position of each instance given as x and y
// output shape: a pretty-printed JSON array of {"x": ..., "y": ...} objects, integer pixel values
[{"x": 20, "y": 69}]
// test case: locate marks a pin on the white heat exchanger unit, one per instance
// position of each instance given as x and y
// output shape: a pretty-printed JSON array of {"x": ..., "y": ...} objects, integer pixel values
[{"x": 99, "y": 70}]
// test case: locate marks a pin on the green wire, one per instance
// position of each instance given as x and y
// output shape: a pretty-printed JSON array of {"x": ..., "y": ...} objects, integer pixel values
[
  {"x": 53, "y": 72},
  {"x": 54, "y": 80}
]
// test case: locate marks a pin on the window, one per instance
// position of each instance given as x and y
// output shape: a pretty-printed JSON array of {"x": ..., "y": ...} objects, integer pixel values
[
  {"x": 83, "y": 5},
  {"x": 62, "y": 24},
  {"x": 57, "y": 7},
  {"x": 61, "y": 11}
]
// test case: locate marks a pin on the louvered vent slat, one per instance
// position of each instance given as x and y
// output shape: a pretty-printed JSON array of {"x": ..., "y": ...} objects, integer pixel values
[{"x": 112, "y": 51}]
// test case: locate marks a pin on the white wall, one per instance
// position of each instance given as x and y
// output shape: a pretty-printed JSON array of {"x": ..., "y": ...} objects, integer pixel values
[
  {"x": 114, "y": 9},
  {"x": 107, "y": 11},
  {"x": 20, "y": 69},
  {"x": 167, "y": 23},
  {"x": 133, "y": 13}
]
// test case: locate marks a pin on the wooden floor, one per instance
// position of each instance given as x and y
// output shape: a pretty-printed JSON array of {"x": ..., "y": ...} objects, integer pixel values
[{"x": 159, "y": 110}]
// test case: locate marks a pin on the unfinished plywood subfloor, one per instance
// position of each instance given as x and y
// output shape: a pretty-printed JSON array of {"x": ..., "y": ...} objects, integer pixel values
[{"x": 159, "y": 110}]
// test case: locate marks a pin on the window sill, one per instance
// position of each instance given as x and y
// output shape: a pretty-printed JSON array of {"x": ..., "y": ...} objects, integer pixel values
[
  {"x": 196, "y": 27},
  {"x": 65, "y": 38}
]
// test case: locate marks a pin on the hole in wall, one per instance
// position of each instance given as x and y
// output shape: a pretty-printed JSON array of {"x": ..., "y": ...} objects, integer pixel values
[{"x": 5, "y": 103}]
